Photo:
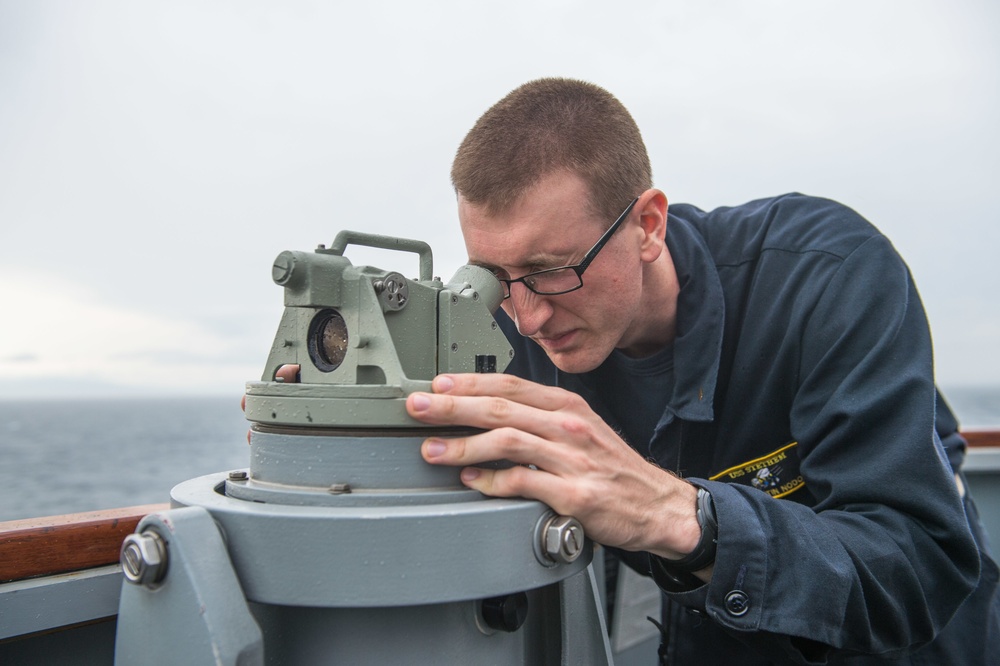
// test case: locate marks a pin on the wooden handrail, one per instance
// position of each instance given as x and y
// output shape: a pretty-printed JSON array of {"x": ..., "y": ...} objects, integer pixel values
[
  {"x": 977, "y": 437},
  {"x": 58, "y": 544}
]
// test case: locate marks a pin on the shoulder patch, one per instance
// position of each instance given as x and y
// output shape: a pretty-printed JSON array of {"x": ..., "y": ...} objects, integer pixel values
[{"x": 776, "y": 473}]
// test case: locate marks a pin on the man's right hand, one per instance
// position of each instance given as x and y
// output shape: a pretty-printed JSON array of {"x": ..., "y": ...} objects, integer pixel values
[
  {"x": 288, "y": 374},
  {"x": 569, "y": 458}
]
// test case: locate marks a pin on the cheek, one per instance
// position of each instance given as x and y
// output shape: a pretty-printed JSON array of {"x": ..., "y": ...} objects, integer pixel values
[{"x": 616, "y": 306}]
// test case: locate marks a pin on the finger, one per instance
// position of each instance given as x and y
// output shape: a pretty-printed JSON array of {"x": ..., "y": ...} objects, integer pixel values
[
  {"x": 490, "y": 413},
  {"x": 243, "y": 406},
  {"x": 508, "y": 444},
  {"x": 512, "y": 388},
  {"x": 522, "y": 482},
  {"x": 288, "y": 373}
]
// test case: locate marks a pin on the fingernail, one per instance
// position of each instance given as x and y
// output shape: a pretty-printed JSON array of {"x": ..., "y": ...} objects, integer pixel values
[
  {"x": 444, "y": 383},
  {"x": 421, "y": 402},
  {"x": 434, "y": 448},
  {"x": 470, "y": 474}
]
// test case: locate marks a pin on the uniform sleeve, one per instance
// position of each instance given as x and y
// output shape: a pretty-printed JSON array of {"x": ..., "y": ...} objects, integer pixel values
[
  {"x": 884, "y": 558},
  {"x": 947, "y": 429}
]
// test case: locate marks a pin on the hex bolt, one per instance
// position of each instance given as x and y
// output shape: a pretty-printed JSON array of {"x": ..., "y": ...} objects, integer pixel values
[
  {"x": 339, "y": 489},
  {"x": 238, "y": 475},
  {"x": 562, "y": 539},
  {"x": 144, "y": 558}
]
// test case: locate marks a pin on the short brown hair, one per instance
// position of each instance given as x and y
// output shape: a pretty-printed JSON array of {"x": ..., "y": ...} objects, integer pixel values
[{"x": 546, "y": 126}]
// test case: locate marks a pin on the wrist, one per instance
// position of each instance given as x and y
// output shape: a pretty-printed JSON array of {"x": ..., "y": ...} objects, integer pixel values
[
  {"x": 703, "y": 553},
  {"x": 678, "y": 575}
]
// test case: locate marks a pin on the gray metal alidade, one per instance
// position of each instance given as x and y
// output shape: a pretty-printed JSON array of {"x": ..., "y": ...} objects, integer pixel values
[{"x": 340, "y": 544}]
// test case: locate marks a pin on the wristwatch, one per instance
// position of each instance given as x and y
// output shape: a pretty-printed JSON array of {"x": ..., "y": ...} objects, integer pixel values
[{"x": 678, "y": 575}]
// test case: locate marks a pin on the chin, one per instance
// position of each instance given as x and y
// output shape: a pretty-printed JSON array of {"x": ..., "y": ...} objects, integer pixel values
[{"x": 576, "y": 364}]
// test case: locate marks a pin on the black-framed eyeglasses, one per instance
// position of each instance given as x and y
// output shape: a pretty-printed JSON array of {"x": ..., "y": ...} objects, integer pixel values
[{"x": 564, "y": 279}]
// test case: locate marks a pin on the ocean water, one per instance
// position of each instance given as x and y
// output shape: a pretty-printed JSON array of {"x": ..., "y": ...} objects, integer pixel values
[
  {"x": 83, "y": 455},
  {"x": 67, "y": 456},
  {"x": 975, "y": 406}
]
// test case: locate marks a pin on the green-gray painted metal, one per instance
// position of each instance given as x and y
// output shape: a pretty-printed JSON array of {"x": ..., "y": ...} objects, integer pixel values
[
  {"x": 198, "y": 614},
  {"x": 391, "y": 349},
  {"x": 380, "y": 462},
  {"x": 584, "y": 633},
  {"x": 363, "y": 556},
  {"x": 347, "y": 237},
  {"x": 380, "y": 469},
  {"x": 39, "y": 604},
  {"x": 450, "y": 633},
  {"x": 434, "y": 635}
]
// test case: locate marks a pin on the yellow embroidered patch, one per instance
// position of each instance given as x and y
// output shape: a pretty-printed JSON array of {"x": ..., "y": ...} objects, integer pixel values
[{"x": 766, "y": 473}]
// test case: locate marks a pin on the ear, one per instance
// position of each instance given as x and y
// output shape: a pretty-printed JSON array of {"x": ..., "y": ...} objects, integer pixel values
[{"x": 652, "y": 210}]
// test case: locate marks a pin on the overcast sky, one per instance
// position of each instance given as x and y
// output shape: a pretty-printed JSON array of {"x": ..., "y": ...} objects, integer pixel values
[{"x": 155, "y": 157}]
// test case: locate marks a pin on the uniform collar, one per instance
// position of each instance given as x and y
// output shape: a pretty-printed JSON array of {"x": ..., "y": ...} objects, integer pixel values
[{"x": 700, "y": 320}]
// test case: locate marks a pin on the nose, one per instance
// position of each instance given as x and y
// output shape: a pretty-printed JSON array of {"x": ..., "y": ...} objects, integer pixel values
[{"x": 529, "y": 310}]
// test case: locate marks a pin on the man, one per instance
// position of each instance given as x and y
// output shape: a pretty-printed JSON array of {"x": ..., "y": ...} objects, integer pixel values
[{"x": 663, "y": 361}]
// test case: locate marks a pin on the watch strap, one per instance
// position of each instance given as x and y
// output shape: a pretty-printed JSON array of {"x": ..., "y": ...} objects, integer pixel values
[{"x": 704, "y": 551}]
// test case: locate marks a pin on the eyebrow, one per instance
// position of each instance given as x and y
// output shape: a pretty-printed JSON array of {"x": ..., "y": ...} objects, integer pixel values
[
  {"x": 482, "y": 264},
  {"x": 540, "y": 260}
]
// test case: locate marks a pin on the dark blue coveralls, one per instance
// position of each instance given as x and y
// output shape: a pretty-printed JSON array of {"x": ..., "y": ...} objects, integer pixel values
[{"x": 804, "y": 401}]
